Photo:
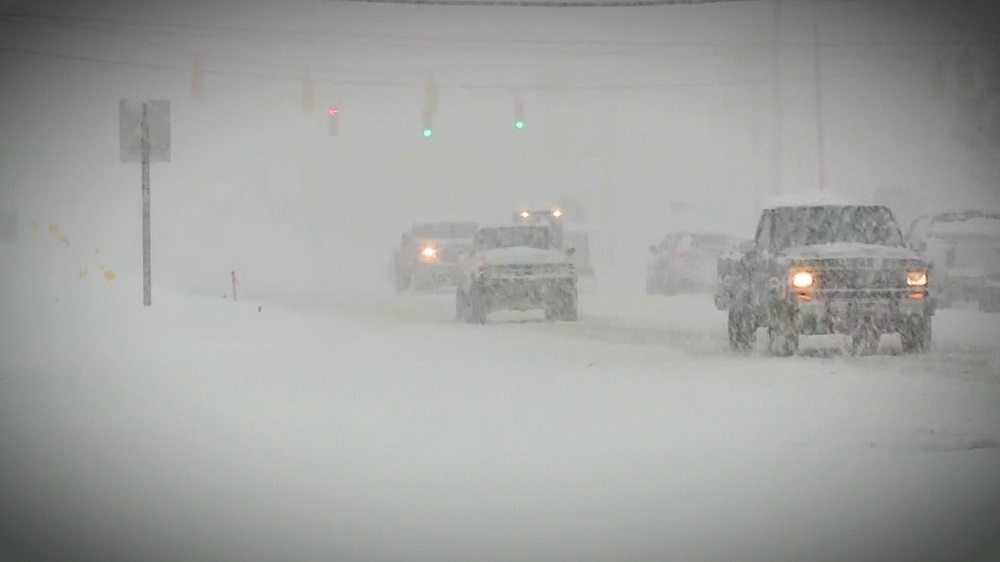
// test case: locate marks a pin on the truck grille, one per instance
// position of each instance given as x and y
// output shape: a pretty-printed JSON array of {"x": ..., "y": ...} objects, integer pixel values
[
  {"x": 843, "y": 279},
  {"x": 517, "y": 271}
]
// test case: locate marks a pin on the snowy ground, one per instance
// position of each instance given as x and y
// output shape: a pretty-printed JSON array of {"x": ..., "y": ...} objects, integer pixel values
[{"x": 373, "y": 427}]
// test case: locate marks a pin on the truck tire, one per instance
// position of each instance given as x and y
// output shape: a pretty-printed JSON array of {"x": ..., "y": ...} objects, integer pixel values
[
  {"x": 651, "y": 286},
  {"x": 568, "y": 311},
  {"x": 916, "y": 335},
  {"x": 477, "y": 307},
  {"x": 989, "y": 300},
  {"x": 864, "y": 341},
  {"x": 741, "y": 329},
  {"x": 564, "y": 307},
  {"x": 461, "y": 306},
  {"x": 782, "y": 335}
]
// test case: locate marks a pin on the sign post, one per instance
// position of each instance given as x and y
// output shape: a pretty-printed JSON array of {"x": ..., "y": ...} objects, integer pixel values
[{"x": 145, "y": 138}]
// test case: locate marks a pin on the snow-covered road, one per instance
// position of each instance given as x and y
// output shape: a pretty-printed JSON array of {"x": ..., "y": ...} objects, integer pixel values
[{"x": 374, "y": 427}]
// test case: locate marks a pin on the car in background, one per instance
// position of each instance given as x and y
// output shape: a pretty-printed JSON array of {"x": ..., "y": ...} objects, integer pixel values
[
  {"x": 686, "y": 262},
  {"x": 516, "y": 268},
  {"x": 428, "y": 255},
  {"x": 566, "y": 231},
  {"x": 964, "y": 247}
]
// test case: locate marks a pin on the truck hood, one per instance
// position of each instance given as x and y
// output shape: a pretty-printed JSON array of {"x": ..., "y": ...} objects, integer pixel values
[
  {"x": 850, "y": 250},
  {"x": 524, "y": 255}
]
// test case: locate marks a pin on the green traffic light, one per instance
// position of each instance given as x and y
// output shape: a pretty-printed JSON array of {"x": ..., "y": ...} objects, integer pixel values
[
  {"x": 427, "y": 132},
  {"x": 519, "y": 124}
]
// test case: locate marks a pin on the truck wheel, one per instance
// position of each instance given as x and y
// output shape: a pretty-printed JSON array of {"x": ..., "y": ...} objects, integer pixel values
[
  {"x": 562, "y": 308},
  {"x": 568, "y": 310},
  {"x": 476, "y": 309},
  {"x": 461, "y": 306},
  {"x": 782, "y": 342},
  {"x": 989, "y": 300},
  {"x": 782, "y": 336},
  {"x": 916, "y": 335},
  {"x": 864, "y": 341},
  {"x": 668, "y": 287},
  {"x": 741, "y": 330},
  {"x": 651, "y": 286}
]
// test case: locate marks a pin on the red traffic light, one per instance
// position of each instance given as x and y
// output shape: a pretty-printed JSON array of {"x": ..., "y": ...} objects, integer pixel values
[{"x": 332, "y": 112}]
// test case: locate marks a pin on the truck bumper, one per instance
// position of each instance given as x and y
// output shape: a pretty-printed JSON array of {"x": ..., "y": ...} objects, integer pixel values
[
  {"x": 524, "y": 294},
  {"x": 845, "y": 316}
]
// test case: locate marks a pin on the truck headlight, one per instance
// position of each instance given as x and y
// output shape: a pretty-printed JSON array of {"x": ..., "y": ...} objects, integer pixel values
[
  {"x": 556, "y": 213},
  {"x": 429, "y": 252},
  {"x": 917, "y": 278},
  {"x": 802, "y": 279}
]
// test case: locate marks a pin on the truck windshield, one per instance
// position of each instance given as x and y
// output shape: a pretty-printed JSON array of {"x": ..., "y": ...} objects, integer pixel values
[
  {"x": 808, "y": 226},
  {"x": 532, "y": 237},
  {"x": 445, "y": 230}
]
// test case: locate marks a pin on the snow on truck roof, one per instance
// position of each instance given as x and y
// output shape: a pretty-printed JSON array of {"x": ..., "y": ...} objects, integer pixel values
[
  {"x": 811, "y": 199},
  {"x": 507, "y": 226},
  {"x": 972, "y": 226}
]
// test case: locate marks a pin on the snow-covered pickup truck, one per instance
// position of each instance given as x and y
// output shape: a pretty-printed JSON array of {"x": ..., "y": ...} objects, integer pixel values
[
  {"x": 516, "y": 268},
  {"x": 830, "y": 268}
]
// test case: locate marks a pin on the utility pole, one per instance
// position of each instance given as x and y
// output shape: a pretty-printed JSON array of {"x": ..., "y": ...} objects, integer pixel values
[
  {"x": 777, "y": 156},
  {"x": 820, "y": 147},
  {"x": 147, "y": 293},
  {"x": 144, "y": 137},
  {"x": 608, "y": 195}
]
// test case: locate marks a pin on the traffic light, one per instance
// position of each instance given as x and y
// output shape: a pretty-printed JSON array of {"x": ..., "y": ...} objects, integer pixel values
[
  {"x": 430, "y": 106},
  {"x": 333, "y": 126},
  {"x": 518, "y": 114}
]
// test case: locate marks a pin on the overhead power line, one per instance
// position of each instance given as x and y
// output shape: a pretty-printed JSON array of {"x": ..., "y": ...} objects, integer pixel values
[
  {"x": 544, "y": 3},
  {"x": 467, "y": 86},
  {"x": 631, "y": 47}
]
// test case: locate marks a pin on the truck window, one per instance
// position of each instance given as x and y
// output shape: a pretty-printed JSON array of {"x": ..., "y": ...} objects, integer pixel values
[
  {"x": 810, "y": 226},
  {"x": 764, "y": 228}
]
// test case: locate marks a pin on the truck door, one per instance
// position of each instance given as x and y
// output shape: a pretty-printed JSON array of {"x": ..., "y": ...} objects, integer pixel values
[{"x": 760, "y": 259}]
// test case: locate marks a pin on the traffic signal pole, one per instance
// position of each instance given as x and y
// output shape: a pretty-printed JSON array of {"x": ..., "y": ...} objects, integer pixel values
[
  {"x": 147, "y": 276},
  {"x": 777, "y": 134},
  {"x": 820, "y": 141}
]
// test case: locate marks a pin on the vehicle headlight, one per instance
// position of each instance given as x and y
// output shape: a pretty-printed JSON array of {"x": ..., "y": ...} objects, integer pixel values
[
  {"x": 802, "y": 279},
  {"x": 429, "y": 252},
  {"x": 525, "y": 214},
  {"x": 917, "y": 278},
  {"x": 556, "y": 213}
]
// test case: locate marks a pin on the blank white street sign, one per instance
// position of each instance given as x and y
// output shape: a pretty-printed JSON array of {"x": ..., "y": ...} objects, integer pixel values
[{"x": 130, "y": 120}]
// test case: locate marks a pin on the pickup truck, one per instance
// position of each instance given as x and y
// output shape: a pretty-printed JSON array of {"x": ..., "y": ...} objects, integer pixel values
[
  {"x": 516, "y": 268},
  {"x": 828, "y": 268}
]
